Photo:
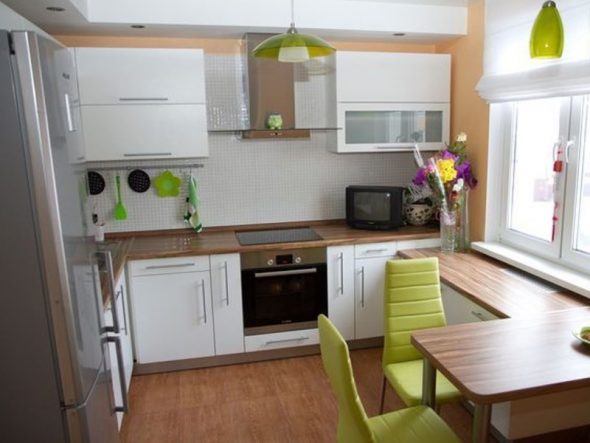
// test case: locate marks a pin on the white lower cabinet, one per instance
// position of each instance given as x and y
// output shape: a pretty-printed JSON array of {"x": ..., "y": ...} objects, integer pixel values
[
  {"x": 356, "y": 284},
  {"x": 186, "y": 307},
  {"x": 120, "y": 303},
  {"x": 369, "y": 274},
  {"x": 459, "y": 309},
  {"x": 340, "y": 260},
  {"x": 226, "y": 294}
]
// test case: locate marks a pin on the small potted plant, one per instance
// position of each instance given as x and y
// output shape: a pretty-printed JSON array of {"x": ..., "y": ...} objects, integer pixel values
[{"x": 418, "y": 205}]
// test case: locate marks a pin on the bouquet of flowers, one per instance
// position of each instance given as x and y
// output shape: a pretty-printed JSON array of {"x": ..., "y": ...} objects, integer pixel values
[{"x": 448, "y": 173}]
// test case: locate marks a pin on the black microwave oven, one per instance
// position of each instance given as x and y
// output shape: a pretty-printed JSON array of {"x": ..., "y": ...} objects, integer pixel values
[{"x": 374, "y": 207}]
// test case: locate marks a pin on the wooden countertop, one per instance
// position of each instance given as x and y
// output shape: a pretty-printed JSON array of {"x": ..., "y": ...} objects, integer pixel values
[
  {"x": 511, "y": 359},
  {"x": 498, "y": 287},
  {"x": 221, "y": 242}
]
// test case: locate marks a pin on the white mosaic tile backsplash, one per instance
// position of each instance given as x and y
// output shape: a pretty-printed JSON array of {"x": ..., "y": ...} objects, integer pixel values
[
  {"x": 256, "y": 181},
  {"x": 245, "y": 181}
]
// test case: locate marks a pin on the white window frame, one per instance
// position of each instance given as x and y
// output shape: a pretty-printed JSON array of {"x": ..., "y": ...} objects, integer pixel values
[
  {"x": 502, "y": 139},
  {"x": 569, "y": 255}
]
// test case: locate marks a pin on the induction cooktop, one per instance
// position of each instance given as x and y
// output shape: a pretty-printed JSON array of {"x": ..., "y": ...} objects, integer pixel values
[{"x": 277, "y": 236}]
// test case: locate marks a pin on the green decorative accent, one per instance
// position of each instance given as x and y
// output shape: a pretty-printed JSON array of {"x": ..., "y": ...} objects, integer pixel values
[
  {"x": 120, "y": 211},
  {"x": 310, "y": 46},
  {"x": 167, "y": 184},
  {"x": 547, "y": 33}
]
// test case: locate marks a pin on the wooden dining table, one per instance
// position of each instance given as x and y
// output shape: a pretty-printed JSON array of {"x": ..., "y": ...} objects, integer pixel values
[{"x": 505, "y": 360}]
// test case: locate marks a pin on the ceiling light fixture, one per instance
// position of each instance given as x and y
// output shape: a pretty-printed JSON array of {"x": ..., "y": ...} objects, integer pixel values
[
  {"x": 547, "y": 33},
  {"x": 292, "y": 47},
  {"x": 55, "y": 9},
  {"x": 138, "y": 26}
]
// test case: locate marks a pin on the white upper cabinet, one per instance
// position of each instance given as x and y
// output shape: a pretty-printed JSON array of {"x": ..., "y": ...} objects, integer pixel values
[
  {"x": 129, "y": 75},
  {"x": 382, "y": 77},
  {"x": 390, "y": 101},
  {"x": 142, "y": 103}
]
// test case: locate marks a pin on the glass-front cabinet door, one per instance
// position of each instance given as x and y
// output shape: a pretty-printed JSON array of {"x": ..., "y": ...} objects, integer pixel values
[{"x": 371, "y": 127}]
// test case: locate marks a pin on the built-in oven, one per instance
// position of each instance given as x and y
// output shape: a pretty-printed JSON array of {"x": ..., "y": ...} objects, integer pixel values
[{"x": 283, "y": 290}]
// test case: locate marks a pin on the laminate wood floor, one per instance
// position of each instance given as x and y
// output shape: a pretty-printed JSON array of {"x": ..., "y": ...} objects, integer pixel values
[{"x": 286, "y": 400}]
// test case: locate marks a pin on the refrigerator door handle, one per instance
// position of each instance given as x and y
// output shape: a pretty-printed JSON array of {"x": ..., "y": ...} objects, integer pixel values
[
  {"x": 121, "y": 368},
  {"x": 111, "y": 277}
]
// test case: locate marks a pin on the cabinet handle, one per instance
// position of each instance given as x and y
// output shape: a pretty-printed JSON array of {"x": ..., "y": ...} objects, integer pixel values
[
  {"x": 69, "y": 119},
  {"x": 362, "y": 286},
  {"x": 124, "y": 309},
  {"x": 204, "y": 304},
  {"x": 341, "y": 258},
  {"x": 479, "y": 315},
  {"x": 143, "y": 99},
  {"x": 375, "y": 251},
  {"x": 121, "y": 366},
  {"x": 226, "y": 284},
  {"x": 280, "y": 273},
  {"x": 286, "y": 340},
  {"x": 111, "y": 277},
  {"x": 146, "y": 154},
  {"x": 179, "y": 265}
]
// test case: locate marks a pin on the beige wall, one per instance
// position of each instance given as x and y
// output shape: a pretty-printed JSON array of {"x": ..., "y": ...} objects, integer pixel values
[
  {"x": 469, "y": 113},
  {"x": 221, "y": 46}
]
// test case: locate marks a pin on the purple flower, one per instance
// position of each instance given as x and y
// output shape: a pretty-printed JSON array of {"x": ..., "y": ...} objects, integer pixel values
[
  {"x": 420, "y": 177},
  {"x": 445, "y": 154},
  {"x": 464, "y": 172}
]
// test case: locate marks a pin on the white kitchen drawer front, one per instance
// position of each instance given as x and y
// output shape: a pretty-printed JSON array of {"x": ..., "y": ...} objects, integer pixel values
[
  {"x": 387, "y": 249},
  {"x": 289, "y": 339},
  {"x": 417, "y": 244},
  {"x": 393, "y": 77},
  {"x": 140, "y": 75},
  {"x": 173, "y": 265},
  {"x": 144, "y": 131}
]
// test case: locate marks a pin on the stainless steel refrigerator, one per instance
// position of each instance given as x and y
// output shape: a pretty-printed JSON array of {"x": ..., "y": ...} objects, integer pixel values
[{"x": 55, "y": 382}]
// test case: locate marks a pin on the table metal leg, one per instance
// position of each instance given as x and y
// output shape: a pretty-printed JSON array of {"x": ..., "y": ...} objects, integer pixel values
[
  {"x": 481, "y": 423},
  {"x": 429, "y": 384}
]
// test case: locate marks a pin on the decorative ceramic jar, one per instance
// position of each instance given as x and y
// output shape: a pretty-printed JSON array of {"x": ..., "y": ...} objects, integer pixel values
[{"x": 418, "y": 214}]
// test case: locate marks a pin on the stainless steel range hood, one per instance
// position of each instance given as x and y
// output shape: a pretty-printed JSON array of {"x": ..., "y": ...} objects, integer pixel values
[{"x": 270, "y": 88}]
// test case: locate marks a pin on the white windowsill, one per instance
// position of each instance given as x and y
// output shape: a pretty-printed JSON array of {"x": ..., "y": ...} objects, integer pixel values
[{"x": 577, "y": 282}]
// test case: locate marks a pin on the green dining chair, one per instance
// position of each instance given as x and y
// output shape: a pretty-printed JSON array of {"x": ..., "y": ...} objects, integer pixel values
[
  {"x": 412, "y": 302},
  {"x": 418, "y": 424}
]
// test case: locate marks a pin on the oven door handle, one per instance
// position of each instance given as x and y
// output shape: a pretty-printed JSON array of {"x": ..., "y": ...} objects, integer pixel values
[{"x": 289, "y": 272}]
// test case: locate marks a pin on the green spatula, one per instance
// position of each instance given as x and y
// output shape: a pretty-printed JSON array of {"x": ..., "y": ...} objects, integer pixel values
[{"x": 120, "y": 212}]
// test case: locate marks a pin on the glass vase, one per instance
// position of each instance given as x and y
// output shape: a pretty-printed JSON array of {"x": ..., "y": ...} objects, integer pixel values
[
  {"x": 448, "y": 231},
  {"x": 462, "y": 241}
]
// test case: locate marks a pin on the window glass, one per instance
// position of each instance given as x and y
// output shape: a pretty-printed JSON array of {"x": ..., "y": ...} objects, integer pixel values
[
  {"x": 582, "y": 232},
  {"x": 393, "y": 126},
  {"x": 532, "y": 194}
]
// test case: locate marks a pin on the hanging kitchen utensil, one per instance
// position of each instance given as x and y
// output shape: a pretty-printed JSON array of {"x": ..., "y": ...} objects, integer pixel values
[
  {"x": 139, "y": 180},
  {"x": 96, "y": 183},
  {"x": 167, "y": 184},
  {"x": 120, "y": 212}
]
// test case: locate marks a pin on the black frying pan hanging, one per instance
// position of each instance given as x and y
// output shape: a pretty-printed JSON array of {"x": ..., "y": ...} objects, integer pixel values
[
  {"x": 96, "y": 183},
  {"x": 138, "y": 180}
]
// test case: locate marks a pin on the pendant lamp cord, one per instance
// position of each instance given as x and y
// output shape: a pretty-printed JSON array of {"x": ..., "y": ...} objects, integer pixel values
[{"x": 293, "y": 13}]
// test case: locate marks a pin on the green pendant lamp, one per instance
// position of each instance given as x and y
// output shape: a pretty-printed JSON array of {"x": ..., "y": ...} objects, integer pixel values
[
  {"x": 547, "y": 34},
  {"x": 292, "y": 47}
]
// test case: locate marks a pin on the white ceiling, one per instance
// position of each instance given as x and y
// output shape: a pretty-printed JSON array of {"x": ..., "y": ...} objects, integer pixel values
[{"x": 421, "y": 20}]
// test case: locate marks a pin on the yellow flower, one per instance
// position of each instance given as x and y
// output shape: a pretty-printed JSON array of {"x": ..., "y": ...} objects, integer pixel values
[{"x": 446, "y": 170}]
